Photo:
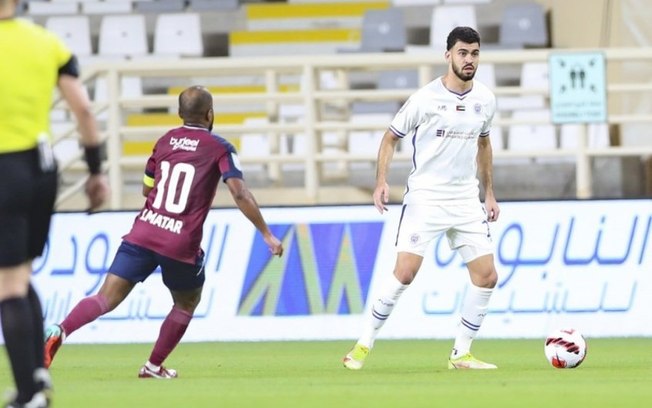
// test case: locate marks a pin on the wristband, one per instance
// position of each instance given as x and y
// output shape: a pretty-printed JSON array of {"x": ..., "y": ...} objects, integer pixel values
[{"x": 93, "y": 160}]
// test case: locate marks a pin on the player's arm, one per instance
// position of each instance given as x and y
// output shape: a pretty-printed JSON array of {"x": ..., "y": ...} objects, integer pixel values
[
  {"x": 72, "y": 91},
  {"x": 249, "y": 207},
  {"x": 385, "y": 155},
  {"x": 148, "y": 177},
  {"x": 485, "y": 172}
]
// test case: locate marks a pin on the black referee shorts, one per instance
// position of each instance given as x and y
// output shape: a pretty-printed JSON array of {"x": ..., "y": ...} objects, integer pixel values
[{"x": 27, "y": 196}]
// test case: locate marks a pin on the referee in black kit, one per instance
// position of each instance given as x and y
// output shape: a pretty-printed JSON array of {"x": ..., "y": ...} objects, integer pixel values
[{"x": 34, "y": 62}]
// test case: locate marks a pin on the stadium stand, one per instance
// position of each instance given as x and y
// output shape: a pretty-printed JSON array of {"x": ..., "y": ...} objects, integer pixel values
[
  {"x": 75, "y": 32},
  {"x": 123, "y": 35},
  {"x": 535, "y": 137},
  {"x": 534, "y": 76},
  {"x": 46, "y": 8},
  {"x": 524, "y": 25},
  {"x": 284, "y": 16},
  {"x": 382, "y": 31},
  {"x": 289, "y": 28},
  {"x": 213, "y": 5},
  {"x": 178, "y": 34},
  {"x": 307, "y": 42},
  {"x": 444, "y": 19},
  {"x": 160, "y": 6},
  {"x": 402, "y": 3},
  {"x": 346, "y": 125},
  {"x": 106, "y": 7}
]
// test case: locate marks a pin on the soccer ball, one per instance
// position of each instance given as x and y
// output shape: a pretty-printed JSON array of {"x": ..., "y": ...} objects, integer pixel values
[{"x": 565, "y": 348}]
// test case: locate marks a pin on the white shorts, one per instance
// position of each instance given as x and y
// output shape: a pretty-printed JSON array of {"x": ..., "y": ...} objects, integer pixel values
[{"x": 465, "y": 225}]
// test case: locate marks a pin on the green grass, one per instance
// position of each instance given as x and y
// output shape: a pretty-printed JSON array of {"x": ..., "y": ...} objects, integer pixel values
[{"x": 616, "y": 373}]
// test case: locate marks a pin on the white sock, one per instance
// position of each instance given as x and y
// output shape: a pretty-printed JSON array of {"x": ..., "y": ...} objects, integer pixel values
[
  {"x": 381, "y": 309},
  {"x": 152, "y": 366},
  {"x": 474, "y": 310}
]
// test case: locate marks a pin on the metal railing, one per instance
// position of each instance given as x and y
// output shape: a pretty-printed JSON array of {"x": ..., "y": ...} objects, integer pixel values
[{"x": 327, "y": 109}]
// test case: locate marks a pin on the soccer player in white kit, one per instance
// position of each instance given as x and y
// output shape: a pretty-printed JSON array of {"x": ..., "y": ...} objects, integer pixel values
[{"x": 448, "y": 121}]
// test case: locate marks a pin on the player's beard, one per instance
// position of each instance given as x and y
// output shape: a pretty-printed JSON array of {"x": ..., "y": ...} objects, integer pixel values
[{"x": 459, "y": 72}]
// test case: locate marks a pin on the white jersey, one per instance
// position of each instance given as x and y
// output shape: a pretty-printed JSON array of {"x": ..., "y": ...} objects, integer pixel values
[{"x": 445, "y": 127}]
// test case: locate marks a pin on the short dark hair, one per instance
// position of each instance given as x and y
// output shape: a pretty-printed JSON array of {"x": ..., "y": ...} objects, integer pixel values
[
  {"x": 464, "y": 34},
  {"x": 194, "y": 103}
]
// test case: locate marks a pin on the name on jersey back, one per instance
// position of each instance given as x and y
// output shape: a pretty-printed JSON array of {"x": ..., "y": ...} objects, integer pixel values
[{"x": 161, "y": 221}]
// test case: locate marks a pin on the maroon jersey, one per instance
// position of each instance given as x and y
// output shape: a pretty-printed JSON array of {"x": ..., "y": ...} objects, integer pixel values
[{"x": 186, "y": 166}]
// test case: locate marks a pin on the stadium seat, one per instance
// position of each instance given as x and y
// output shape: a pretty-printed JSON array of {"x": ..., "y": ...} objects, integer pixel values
[
  {"x": 534, "y": 137},
  {"x": 254, "y": 144},
  {"x": 123, "y": 35},
  {"x": 402, "y": 3},
  {"x": 444, "y": 19},
  {"x": 47, "y": 8},
  {"x": 21, "y": 8},
  {"x": 533, "y": 75},
  {"x": 467, "y": 1},
  {"x": 130, "y": 87},
  {"x": 383, "y": 30},
  {"x": 597, "y": 135},
  {"x": 486, "y": 74},
  {"x": 74, "y": 31},
  {"x": 523, "y": 25},
  {"x": 497, "y": 136},
  {"x": 178, "y": 34},
  {"x": 106, "y": 7},
  {"x": 292, "y": 42},
  {"x": 213, "y": 5},
  {"x": 160, "y": 6},
  {"x": 367, "y": 141},
  {"x": 308, "y": 16},
  {"x": 399, "y": 79}
]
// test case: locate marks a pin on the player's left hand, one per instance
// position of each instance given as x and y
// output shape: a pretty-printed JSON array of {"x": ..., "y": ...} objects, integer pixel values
[
  {"x": 492, "y": 208},
  {"x": 98, "y": 191},
  {"x": 275, "y": 246}
]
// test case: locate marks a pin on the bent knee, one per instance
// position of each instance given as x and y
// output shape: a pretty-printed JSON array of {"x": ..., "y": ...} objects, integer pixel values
[
  {"x": 483, "y": 272},
  {"x": 187, "y": 301}
]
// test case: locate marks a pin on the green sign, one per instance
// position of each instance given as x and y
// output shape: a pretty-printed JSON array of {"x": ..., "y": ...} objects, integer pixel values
[{"x": 578, "y": 88}]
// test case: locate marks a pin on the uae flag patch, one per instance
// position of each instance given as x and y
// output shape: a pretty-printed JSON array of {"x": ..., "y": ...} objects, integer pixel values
[{"x": 460, "y": 108}]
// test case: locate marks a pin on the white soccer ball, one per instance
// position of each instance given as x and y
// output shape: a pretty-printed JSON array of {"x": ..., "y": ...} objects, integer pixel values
[{"x": 565, "y": 348}]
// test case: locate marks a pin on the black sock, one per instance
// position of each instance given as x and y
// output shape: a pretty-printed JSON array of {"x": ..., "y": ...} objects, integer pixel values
[
  {"x": 37, "y": 318},
  {"x": 18, "y": 329}
]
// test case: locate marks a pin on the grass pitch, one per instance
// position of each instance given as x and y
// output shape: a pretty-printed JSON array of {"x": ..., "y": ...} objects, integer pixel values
[{"x": 616, "y": 373}]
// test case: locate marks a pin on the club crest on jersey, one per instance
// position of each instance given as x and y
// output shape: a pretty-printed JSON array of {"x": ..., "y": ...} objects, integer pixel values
[
  {"x": 477, "y": 108},
  {"x": 184, "y": 143}
]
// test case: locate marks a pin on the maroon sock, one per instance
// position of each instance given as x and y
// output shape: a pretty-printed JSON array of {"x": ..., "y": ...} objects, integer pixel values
[
  {"x": 172, "y": 330},
  {"x": 87, "y": 310}
]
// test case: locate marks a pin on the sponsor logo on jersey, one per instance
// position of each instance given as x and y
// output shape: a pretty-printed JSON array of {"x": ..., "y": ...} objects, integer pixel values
[
  {"x": 184, "y": 144},
  {"x": 460, "y": 134}
]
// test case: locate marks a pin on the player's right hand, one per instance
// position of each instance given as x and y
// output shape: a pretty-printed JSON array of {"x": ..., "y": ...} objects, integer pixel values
[
  {"x": 275, "y": 246},
  {"x": 381, "y": 197}
]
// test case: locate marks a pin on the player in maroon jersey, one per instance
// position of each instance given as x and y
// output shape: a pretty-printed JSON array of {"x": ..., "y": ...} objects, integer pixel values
[{"x": 180, "y": 181}]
